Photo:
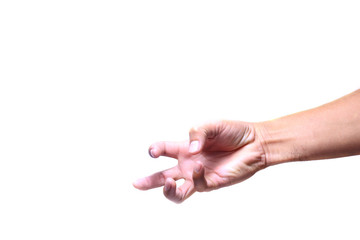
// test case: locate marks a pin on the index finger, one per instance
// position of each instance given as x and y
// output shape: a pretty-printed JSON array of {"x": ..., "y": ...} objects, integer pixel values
[{"x": 167, "y": 149}]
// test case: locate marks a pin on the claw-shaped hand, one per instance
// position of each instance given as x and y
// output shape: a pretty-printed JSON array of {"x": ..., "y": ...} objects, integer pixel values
[{"x": 218, "y": 154}]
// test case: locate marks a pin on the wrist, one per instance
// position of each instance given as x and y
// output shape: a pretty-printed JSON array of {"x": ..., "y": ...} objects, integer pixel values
[{"x": 276, "y": 142}]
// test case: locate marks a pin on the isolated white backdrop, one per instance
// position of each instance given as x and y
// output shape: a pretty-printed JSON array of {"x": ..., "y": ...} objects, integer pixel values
[{"x": 87, "y": 86}]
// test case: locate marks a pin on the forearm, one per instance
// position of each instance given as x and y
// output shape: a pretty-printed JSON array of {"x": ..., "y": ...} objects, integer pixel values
[{"x": 329, "y": 131}]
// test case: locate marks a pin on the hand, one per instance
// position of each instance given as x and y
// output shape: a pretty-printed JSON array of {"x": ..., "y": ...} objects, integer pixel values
[{"x": 220, "y": 154}]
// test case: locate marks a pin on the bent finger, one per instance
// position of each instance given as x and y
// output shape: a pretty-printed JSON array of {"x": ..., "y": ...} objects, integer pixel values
[
  {"x": 157, "y": 179},
  {"x": 180, "y": 194},
  {"x": 200, "y": 184},
  {"x": 167, "y": 149}
]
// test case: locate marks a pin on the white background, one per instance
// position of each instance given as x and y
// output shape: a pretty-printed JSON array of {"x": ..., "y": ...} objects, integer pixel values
[{"x": 87, "y": 86}]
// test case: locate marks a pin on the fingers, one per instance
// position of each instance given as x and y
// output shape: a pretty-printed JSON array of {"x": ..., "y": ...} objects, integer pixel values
[
  {"x": 200, "y": 183},
  {"x": 178, "y": 195},
  {"x": 168, "y": 149},
  {"x": 167, "y": 179},
  {"x": 157, "y": 179}
]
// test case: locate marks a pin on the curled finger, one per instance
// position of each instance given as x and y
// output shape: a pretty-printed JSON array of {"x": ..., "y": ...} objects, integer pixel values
[{"x": 180, "y": 194}]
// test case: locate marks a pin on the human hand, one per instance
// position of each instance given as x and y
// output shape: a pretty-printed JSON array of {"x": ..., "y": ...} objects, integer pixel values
[{"x": 219, "y": 154}]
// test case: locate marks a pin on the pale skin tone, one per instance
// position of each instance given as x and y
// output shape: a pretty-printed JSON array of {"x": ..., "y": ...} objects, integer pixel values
[{"x": 223, "y": 153}]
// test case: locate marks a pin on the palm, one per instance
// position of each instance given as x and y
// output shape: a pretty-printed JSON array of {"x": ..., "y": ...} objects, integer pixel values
[
  {"x": 230, "y": 154},
  {"x": 222, "y": 168}
]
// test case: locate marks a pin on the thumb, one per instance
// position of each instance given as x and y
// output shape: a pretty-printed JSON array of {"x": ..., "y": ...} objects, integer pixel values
[{"x": 199, "y": 135}]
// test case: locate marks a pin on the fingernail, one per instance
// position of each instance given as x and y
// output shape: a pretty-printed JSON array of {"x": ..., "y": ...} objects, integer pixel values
[
  {"x": 152, "y": 153},
  {"x": 194, "y": 146},
  {"x": 197, "y": 168}
]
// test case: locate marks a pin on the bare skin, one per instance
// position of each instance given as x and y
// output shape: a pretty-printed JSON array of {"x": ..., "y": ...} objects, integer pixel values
[{"x": 223, "y": 153}]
